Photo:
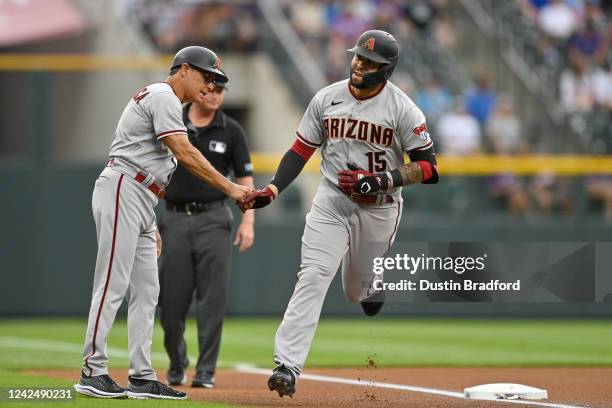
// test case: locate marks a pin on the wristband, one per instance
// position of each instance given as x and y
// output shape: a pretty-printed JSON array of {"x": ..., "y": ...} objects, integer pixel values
[{"x": 396, "y": 178}]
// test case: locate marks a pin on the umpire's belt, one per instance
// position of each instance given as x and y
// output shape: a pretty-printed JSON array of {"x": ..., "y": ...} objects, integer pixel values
[
  {"x": 148, "y": 180},
  {"x": 194, "y": 207}
]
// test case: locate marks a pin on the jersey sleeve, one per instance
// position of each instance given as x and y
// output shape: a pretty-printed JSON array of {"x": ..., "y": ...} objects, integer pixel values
[
  {"x": 310, "y": 130},
  {"x": 412, "y": 129},
  {"x": 241, "y": 159},
  {"x": 166, "y": 111}
]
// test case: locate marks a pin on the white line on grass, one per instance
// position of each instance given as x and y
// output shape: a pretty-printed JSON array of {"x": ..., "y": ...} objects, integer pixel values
[
  {"x": 65, "y": 347},
  {"x": 349, "y": 381}
]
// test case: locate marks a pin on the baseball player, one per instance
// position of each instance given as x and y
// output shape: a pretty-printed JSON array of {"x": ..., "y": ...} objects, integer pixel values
[
  {"x": 149, "y": 139},
  {"x": 363, "y": 125}
]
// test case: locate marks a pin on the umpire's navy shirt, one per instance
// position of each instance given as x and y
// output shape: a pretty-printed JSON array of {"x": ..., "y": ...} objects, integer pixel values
[{"x": 224, "y": 145}]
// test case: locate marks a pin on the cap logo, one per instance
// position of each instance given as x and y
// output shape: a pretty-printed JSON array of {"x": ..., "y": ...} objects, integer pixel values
[
  {"x": 369, "y": 44},
  {"x": 217, "y": 64}
]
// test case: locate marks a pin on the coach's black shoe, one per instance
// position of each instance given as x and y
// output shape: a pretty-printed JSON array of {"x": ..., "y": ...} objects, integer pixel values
[
  {"x": 203, "y": 380},
  {"x": 372, "y": 305},
  {"x": 143, "y": 389},
  {"x": 100, "y": 386},
  {"x": 176, "y": 376},
  {"x": 282, "y": 381}
]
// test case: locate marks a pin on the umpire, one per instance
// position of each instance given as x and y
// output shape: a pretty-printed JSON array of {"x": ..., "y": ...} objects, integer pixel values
[{"x": 196, "y": 232}]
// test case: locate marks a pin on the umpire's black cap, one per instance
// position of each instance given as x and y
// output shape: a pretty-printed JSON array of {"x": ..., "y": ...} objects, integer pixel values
[{"x": 200, "y": 58}]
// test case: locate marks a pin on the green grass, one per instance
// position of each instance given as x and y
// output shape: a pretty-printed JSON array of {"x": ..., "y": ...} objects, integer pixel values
[
  {"x": 341, "y": 342},
  {"x": 25, "y": 343}
]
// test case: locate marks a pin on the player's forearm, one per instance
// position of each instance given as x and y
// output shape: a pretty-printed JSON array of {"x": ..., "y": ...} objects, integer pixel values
[
  {"x": 409, "y": 173},
  {"x": 289, "y": 168},
  {"x": 249, "y": 215}
]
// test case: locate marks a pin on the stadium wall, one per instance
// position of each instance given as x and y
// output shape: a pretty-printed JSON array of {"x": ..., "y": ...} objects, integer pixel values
[{"x": 48, "y": 246}]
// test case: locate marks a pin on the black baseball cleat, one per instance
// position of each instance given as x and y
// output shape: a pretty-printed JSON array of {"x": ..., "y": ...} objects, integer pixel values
[
  {"x": 202, "y": 380},
  {"x": 100, "y": 386},
  {"x": 176, "y": 376},
  {"x": 143, "y": 389},
  {"x": 372, "y": 305},
  {"x": 282, "y": 381}
]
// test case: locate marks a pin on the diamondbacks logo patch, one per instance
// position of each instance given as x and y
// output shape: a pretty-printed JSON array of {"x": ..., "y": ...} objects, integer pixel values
[
  {"x": 421, "y": 131},
  {"x": 369, "y": 44},
  {"x": 217, "y": 63}
]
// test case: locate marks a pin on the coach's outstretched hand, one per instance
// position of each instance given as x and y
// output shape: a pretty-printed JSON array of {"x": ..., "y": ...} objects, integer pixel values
[{"x": 259, "y": 198}]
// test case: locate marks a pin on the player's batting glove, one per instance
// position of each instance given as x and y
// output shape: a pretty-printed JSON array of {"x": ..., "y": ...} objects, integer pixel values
[
  {"x": 258, "y": 199},
  {"x": 374, "y": 184},
  {"x": 348, "y": 179},
  {"x": 360, "y": 181}
]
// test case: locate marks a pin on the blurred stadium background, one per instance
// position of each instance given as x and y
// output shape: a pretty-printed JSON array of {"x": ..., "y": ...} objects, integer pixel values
[{"x": 518, "y": 96}]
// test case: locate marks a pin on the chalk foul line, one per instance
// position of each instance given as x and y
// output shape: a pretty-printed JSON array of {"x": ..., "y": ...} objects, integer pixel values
[{"x": 366, "y": 383}]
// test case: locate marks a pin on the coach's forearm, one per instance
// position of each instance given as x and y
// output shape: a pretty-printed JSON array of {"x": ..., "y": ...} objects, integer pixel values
[{"x": 196, "y": 163}]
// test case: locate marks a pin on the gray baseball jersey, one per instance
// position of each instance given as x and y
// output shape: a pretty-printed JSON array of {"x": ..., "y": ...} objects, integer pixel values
[
  {"x": 153, "y": 113},
  {"x": 123, "y": 200},
  {"x": 372, "y": 134}
]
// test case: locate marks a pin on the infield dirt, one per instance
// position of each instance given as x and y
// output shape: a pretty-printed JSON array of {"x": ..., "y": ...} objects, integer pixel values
[{"x": 590, "y": 387}]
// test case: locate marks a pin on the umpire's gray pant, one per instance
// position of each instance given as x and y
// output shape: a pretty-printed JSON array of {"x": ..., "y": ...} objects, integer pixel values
[{"x": 195, "y": 256}]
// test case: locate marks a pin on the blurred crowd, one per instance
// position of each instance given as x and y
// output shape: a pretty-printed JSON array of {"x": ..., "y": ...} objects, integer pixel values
[
  {"x": 574, "y": 38},
  {"x": 174, "y": 24},
  {"x": 574, "y": 41},
  {"x": 329, "y": 27},
  {"x": 574, "y": 35}
]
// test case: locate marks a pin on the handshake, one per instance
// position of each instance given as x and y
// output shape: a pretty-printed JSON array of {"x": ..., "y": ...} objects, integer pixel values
[{"x": 258, "y": 198}]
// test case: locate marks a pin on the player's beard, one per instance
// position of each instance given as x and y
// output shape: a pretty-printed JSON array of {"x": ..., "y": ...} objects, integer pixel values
[{"x": 360, "y": 85}]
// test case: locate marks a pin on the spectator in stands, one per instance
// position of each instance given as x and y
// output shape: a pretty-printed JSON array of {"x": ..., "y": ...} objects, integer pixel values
[
  {"x": 538, "y": 4},
  {"x": 509, "y": 193},
  {"x": 458, "y": 133},
  {"x": 503, "y": 129},
  {"x": 549, "y": 52},
  {"x": 334, "y": 65},
  {"x": 444, "y": 33},
  {"x": 422, "y": 14},
  {"x": 503, "y": 133},
  {"x": 349, "y": 25},
  {"x": 602, "y": 82},
  {"x": 481, "y": 101},
  {"x": 557, "y": 19},
  {"x": 550, "y": 193},
  {"x": 577, "y": 91},
  {"x": 385, "y": 17},
  {"x": 308, "y": 18},
  {"x": 599, "y": 192},
  {"x": 594, "y": 11},
  {"x": 172, "y": 23},
  {"x": 434, "y": 99},
  {"x": 589, "y": 43}
]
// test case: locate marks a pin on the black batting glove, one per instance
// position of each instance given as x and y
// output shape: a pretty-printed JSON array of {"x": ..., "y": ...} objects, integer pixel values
[{"x": 374, "y": 184}]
